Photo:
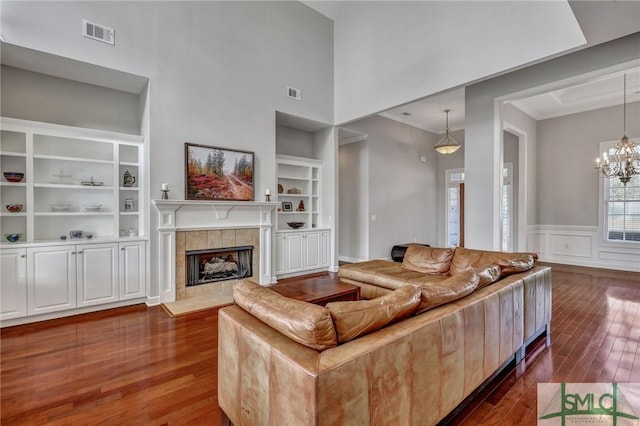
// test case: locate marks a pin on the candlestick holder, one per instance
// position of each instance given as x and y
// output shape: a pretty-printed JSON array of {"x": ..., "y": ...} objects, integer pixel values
[
  {"x": 165, "y": 194},
  {"x": 268, "y": 197}
]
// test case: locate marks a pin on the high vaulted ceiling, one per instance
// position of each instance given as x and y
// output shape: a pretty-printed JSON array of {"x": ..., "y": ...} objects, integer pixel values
[{"x": 600, "y": 21}]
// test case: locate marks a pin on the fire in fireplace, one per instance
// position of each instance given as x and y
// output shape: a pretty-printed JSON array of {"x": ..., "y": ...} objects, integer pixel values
[{"x": 211, "y": 265}]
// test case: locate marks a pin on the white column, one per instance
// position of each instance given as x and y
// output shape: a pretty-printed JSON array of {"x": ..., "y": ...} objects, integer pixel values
[{"x": 482, "y": 169}]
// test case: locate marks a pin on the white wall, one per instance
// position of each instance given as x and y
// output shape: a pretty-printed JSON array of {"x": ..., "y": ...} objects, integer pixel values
[
  {"x": 39, "y": 97},
  {"x": 218, "y": 70},
  {"x": 389, "y": 53},
  {"x": 402, "y": 189},
  {"x": 483, "y": 126}
]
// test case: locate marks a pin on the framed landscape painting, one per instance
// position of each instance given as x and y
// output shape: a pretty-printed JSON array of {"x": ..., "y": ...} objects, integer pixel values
[{"x": 218, "y": 173}]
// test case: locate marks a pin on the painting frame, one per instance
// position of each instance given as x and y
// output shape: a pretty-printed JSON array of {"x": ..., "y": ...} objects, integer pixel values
[
  {"x": 209, "y": 176},
  {"x": 287, "y": 206}
]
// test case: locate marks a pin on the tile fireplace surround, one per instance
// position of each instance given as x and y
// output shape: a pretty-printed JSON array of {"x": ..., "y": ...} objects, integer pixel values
[{"x": 192, "y": 225}]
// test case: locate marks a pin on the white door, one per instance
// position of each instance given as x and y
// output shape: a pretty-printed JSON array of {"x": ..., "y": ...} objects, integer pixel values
[
  {"x": 97, "y": 274},
  {"x": 51, "y": 279},
  {"x": 294, "y": 252},
  {"x": 281, "y": 254},
  {"x": 311, "y": 246},
  {"x": 13, "y": 287},
  {"x": 132, "y": 267}
]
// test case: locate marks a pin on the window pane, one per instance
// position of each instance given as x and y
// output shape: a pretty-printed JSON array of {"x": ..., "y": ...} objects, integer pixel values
[
  {"x": 616, "y": 208},
  {"x": 453, "y": 216}
]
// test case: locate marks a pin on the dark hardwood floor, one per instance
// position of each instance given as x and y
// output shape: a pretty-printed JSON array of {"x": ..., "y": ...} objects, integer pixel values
[{"x": 136, "y": 365}]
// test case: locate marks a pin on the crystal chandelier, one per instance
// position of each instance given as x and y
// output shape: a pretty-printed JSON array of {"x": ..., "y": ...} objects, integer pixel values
[
  {"x": 447, "y": 145},
  {"x": 626, "y": 158}
]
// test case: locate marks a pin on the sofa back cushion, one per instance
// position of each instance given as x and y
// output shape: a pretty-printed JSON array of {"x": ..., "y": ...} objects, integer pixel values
[
  {"x": 306, "y": 323},
  {"x": 453, "y": 288},
  {"x": 428, "y": 260},
  {"x": 510, "y": 263},
  {"x": 488, "y": 274},
  {"x": 354, "y": 319}
]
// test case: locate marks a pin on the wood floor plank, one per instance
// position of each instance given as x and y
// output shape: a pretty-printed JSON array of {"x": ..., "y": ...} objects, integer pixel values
[{"x": 138, "y": 366}]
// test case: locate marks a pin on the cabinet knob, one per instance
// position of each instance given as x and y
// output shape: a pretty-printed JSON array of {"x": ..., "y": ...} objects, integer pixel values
[
  {"x": 122, "y": 248},
  {"x": 73, "y": 252},
  {"x": 23, "y": 255}
]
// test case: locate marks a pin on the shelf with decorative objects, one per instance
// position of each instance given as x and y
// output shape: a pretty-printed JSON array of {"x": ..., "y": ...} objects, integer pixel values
[
  {"x": 56, "y": 179},
  {"x": 298, "y": 192}
]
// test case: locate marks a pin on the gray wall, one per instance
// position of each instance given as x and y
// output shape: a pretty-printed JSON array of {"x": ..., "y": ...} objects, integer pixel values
[
  {"x": 510, "y": 154},
  {"x": 38, "y": 97},
  {"x": 218, "y": 70},
  {"x": 353, "y": 226},
  {"x": 402, "y": 189},
  {"x": 567, "y": 149},
  {"x": 294, "y": 142}
]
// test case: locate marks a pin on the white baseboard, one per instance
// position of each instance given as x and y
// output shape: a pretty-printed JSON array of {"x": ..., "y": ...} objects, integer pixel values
[
  {"x": 350, "y": 259},
  {"x": 153, "y": 301}
]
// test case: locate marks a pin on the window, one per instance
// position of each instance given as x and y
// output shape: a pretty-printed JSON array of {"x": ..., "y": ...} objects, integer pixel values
[
  {"x": 621, "y": 206},
  {"x": 454, "y": 180},
  {"x": 506, "y": 210}
]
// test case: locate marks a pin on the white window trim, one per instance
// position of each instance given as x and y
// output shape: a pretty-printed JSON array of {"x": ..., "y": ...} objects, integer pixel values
[
  {"x": 602, "y": 215},
  {"x": 448, "y": 184}
]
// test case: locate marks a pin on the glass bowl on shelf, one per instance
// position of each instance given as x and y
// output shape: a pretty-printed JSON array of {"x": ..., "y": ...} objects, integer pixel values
[
  {"x": 13, "y": 176},
  {"x": 92, "y": 207},
  {"x": 14, "y": 208},
  {"x": 60, "y": 207},
  {"x": 12, "y": 238}
]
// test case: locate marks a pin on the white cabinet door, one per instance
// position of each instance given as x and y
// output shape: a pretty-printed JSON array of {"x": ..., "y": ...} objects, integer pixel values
[
  {"x": 97, "y": 266},
  {"x": 294, "y": 252},
  {"x": 13, "y": 286},
  {"x": 281, "y": 254},
  {"x": 325, "y": 248},
  {"x": 132, "y": 270},
  {"x": 311, "y": 246},
  {"x": 51, "y": 279}
]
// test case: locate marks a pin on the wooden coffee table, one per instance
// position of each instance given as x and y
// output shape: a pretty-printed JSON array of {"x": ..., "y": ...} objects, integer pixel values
[{"x": 318, "y": 291}]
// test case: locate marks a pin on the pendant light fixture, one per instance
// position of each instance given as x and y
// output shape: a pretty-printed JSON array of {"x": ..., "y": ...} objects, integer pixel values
[
  {"x": 447, "y": 145},
  {"x": 625, "y": 156}
]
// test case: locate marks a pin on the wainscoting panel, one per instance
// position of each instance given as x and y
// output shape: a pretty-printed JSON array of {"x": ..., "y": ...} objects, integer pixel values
[
  {"x": 582, "y": 246},
  {"x": 570, "y": 245}
]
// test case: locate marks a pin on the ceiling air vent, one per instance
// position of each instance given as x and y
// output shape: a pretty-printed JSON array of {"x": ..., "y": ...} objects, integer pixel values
[
  {"x": 294, "y": 93},
  {"x": 98, "y": 32}
]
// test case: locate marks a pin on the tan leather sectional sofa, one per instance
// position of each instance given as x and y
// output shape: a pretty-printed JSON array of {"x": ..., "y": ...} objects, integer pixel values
[{"x": 379, "y": 362}]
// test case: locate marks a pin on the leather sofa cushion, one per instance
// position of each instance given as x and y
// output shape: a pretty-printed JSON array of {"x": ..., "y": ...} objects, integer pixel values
[
  {"x": 488, "y": 274},
  {"x": 453, "y": 288},
  {"x": 465, "y": 259},
  {"x": 428, "y": 260},
  {"x": 354, "y": 319},
  {"x": 516, "y": 265},
  {"x": 306, "y": 323},
  {"x": 385, "y": 274}
]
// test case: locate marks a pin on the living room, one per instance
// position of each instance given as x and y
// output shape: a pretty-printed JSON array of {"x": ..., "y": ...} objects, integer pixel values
[{"x": 216, "y": 73}]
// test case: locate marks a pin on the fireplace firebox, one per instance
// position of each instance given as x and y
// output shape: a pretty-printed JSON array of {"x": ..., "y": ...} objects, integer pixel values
[{"x": 220, "y": 264}]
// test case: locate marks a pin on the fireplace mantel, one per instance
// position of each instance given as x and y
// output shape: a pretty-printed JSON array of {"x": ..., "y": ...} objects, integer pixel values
[{"x": 181, "y": 215}]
